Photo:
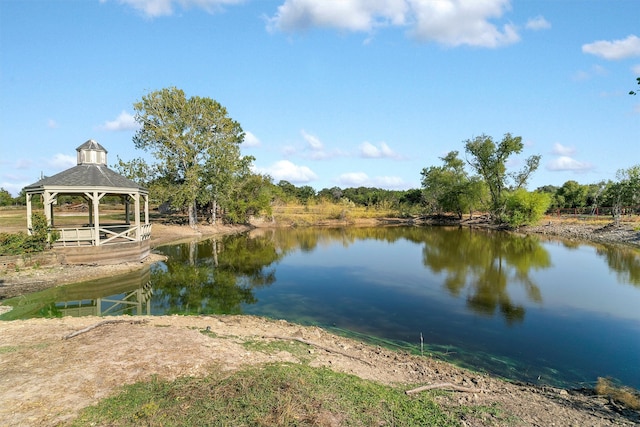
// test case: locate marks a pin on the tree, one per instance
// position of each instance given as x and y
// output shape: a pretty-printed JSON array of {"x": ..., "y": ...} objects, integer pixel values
[
  {"x": 634, "y": 92},
  {"x": 448, "y": 188},
  {"x": 489, "y": 160},
  {"x": 5, "y": 198},
  {"x": 251, "y": 195},
  {"x": 192, "y": 138},
  {"x": 624, "y": 192},
  {"x": 573, "y": 194}
]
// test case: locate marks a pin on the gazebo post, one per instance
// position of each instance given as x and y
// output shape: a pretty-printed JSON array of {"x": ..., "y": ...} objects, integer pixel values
[
  {"x": 96, "y": 216},
  {"x": 48, "y": 208},
  {"x": 29, "y": 214},
  {"x": 136, "y": 200}
]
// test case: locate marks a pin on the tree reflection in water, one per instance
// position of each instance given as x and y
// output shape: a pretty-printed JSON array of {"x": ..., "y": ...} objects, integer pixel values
[
  {"x": 486, "y": 262},
  {"x": 624, "y": 261},
  {"x": 214, "y": 276}
]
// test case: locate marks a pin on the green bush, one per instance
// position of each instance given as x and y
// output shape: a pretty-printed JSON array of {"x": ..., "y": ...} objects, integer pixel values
[
  {"x": 21, "y": 243},
  {"x": 524, "y": 207}
]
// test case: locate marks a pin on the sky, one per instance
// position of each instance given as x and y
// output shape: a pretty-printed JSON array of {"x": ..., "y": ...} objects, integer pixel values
[{"x": 344, "y": 93}]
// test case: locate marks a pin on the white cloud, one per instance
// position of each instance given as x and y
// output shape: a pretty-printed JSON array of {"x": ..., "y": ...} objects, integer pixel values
[
  {"x": 538, "y": 23},
  {"x": 124, "y": 121},
  {"x": 351, "y": 15},
  {"x": 566, "y": 163},
  {"x": 562, "y": 150},
  {"x": 353, "y": 179},
  {"x": 450, "y": 22},
  {"x": 155, "y": 8},
  {"x": 313, "y": 141},
  {"x": 636, "y": 69},
  {"x": 52, "y": 124},
  {"x": 612, "y": 50},
  {"x": 361, "y": 179},
  {"x": 250, "y": 140},
  {"x": 61, "y": 162},
  {"x": 370, "y": 151},
  {"x": 455, "y": 23},
  {"x": 286, "y": 170}
]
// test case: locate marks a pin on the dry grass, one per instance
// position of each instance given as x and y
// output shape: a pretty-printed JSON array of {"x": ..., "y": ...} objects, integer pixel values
[
  {"x": 623, "y": 395},
  {"x": 319, "y": 212}
]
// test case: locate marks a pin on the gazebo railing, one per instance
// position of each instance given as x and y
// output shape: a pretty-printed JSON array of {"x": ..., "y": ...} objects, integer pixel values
[
  {"x": 109, "y": 234},
  {"x": 75, "y": 236}
]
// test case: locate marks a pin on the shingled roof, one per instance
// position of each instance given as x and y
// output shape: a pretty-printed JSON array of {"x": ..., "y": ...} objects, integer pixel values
[{"x": 86, "y": 175}]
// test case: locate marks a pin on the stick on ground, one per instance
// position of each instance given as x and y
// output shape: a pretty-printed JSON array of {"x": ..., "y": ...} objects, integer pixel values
[
  {"x": 444, "y": 386},
  {"x": 104, "y": 322}
]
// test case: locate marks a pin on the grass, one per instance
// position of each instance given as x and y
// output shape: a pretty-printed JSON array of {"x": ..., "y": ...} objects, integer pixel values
[
  {"x": 314, "y": 213},
  {"x": 626, "y": 396},
  {"x": 297, "y": 349},
  {"x": 281, "y": 394}
]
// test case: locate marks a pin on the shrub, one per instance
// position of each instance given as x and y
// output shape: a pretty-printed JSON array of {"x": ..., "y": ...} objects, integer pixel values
[
  {"x": 524, "y": 207},
  {"x": 20, "y": 243}
]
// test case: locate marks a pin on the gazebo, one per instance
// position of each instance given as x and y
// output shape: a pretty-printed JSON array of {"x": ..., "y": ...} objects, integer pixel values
[{"x": 95, "y": 242}]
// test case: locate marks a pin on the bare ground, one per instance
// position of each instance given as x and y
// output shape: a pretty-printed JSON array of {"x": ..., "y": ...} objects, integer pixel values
[{"x": 46, "y": 379}]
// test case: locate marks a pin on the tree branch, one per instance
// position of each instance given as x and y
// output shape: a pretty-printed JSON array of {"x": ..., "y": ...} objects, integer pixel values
[
  {"x": 444, "y": 386},
  {"x": 104, "y": 322}
]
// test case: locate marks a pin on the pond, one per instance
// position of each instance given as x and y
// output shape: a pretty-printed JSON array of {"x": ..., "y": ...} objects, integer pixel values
[{"x": 523, "y": 307}]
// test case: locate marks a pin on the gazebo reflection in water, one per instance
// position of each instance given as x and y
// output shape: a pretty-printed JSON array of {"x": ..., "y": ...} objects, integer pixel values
[{"x": 134, "y": 303}]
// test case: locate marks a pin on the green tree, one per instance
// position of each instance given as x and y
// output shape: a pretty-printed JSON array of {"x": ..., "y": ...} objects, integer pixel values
[
  {"x": 573, "y": 194},
  {"x": 449, "y": 188},
  {"x": 251, "y": 196},
  {"x": 287, "y": 190},
  {"x": 489, "y": 160},
  {"x": 625, "y": 192},
  {"x": 5, "y": 198},
  {"x": 192, "y": 138},
  {"x": 633, "y": 92}
]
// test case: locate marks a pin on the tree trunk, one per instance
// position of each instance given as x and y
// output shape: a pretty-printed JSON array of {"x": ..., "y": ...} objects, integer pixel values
[{"x": 193, "y": 215}]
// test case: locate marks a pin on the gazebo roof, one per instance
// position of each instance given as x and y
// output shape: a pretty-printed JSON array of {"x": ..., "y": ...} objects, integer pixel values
[
  {"x": 83, "y": 176},
  {"x": 86, "y": 175}
]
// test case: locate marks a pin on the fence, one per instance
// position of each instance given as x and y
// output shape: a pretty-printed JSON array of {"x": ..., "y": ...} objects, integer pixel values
[{"x": 595, "y": 212}]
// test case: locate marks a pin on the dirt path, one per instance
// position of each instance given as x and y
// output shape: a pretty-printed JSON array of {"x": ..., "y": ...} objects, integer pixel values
[{"x": 45, "y": 379}]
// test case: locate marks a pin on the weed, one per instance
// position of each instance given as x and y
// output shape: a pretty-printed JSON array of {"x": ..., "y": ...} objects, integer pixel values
[{"x": 281, "y": 394}]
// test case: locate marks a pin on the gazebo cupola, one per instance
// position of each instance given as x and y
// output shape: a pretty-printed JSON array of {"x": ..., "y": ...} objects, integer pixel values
[{"x": 92, "y": 153}]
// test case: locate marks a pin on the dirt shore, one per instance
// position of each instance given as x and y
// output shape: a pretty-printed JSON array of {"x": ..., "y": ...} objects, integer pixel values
[{"x": 36, "y": 360}]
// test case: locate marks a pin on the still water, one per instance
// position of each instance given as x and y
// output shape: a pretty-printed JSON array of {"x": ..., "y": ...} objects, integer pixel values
[{"x": 523, "y": 307}]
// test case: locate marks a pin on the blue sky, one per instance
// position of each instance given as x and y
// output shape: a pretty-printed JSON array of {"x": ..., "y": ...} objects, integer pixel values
[{"x": 330, "y": 93}]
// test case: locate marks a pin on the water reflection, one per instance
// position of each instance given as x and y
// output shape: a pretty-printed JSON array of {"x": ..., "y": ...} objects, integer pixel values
[
  {"x": 213, "y": 276},
  {"x": 486, "y": 263},
  {"x": 127, "y": 294},
  {"x": 624, "y": 261}
]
